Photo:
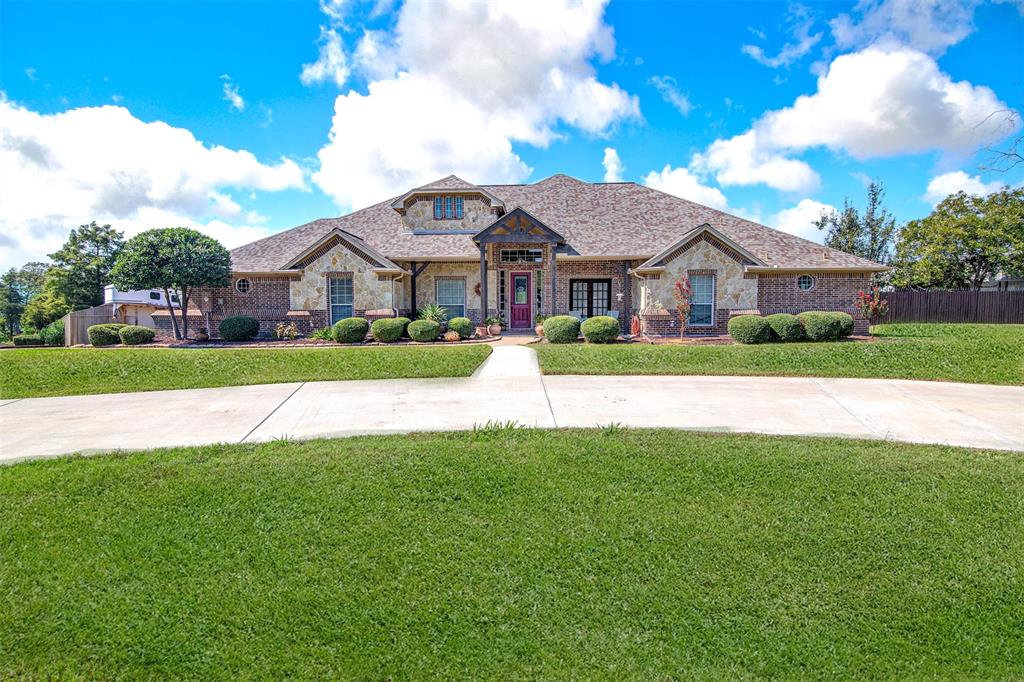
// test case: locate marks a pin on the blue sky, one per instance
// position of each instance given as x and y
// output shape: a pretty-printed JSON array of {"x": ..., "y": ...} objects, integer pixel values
[{"x": 246, "y": 118}]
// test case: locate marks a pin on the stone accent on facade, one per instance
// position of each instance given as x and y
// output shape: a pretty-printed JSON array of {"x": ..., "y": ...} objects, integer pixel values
[
  {"x": 734, "y": 290},
  {"x": 476, "y": 214},
  {"x": 369, "y": 291},
  {"x": 832, "y": 291}
]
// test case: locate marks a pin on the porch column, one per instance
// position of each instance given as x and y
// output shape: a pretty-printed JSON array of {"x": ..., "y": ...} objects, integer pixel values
[
  {"x": 554, "y": 282},
  {"x": 483, "y": 283}
]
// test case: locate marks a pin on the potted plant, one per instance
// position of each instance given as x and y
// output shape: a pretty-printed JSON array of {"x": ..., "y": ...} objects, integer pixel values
[
  {"x": 539, "y": 325},
  {"x": 494, "y": 325}
]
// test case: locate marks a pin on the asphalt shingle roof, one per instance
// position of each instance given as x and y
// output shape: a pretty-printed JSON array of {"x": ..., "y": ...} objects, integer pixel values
[{"x": 597, "y": 219}]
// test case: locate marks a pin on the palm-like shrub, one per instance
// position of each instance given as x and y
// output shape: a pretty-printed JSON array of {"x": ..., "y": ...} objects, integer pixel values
[
  {"x": 785, "y": 327},
  {"x": 462, "y": 325},
  {"x": 562, "y": 329},
  {"x": 239, "y": 328},
  {"x": 134, "y": 335},
  {"x": 600, "y": 329},
  {"x": 434, "y": 313},
  {"x": 750, "y": 329},
  {"x": 388, "y": 329},
  {"x": 350, "y": 330},
  {"x": 424, "y": 330}
]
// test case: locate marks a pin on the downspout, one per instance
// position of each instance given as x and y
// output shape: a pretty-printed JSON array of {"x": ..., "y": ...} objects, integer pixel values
[{"x": 644, "y": 294}]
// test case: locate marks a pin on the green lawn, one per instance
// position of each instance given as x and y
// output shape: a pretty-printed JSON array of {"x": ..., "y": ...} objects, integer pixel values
[
  {"x": 516, "y": 554},
  {"x": 27, "y": 373},
  {"x": 973, "y": 353}
]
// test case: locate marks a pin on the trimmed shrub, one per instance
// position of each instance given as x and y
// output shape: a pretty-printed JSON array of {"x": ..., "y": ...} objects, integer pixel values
[
  {"x": 134, "y": 335},
  {"x": 27, "y": 340},
  {"x": 53, "y": 333},
  {"x": 388, "y": 329},
  {"x": 562, "y": 329},
  {"x": 600, "y": 329},
  {"x": 350, "y": 330},
  {"x": 821, "y": 326},
  {"x": 424, "y": 330},
  {"x": 105, "y": 334},
  {"x": 462, "y": 325},
  {"x": 405, "y": 326},
  {"x": 785, "y": 327},
  {"x": 845, "y": 323},
  {"x": 750, "y": 329},
  {"x": 239, "y": 328}
]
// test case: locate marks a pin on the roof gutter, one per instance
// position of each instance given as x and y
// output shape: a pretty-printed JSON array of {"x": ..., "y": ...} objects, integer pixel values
[{"x": 771, "y": 269}]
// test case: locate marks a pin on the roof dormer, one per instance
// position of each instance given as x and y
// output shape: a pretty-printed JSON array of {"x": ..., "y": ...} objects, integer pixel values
[{"x": 448, "y": 205}]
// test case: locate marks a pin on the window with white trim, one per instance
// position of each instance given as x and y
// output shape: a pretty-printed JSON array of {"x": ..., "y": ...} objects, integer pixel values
[
  {"x": 340, "y": 293},
  {"x": 521, "y": 255},
  {"x": 242, "y": 285},
  {"x": 451, "y": 295},
  {"x": 702, "y": 303},
  {"x": 447, "y": 207},
  {"x": 805, "y": 282}
]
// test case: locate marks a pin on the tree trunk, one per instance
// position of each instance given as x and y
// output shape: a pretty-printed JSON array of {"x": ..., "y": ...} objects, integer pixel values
[
  {"x": 170, "y": 309},
  {"x": 184, "y": 312}
]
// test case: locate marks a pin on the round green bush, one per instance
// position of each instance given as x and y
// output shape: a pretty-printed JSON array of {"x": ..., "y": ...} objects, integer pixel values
[
  {"x": 845, "y": 323},
  {"x": 424, "y": 330},
  {"x": 105, "y": 334},
  {"x": 134, "y": 335},
  {"x": 750, "y": 329},
  {"x": 239, "y": 328},
  {"x": 785, "y": 327},
  {"x": 27, "y": 340},
  {"x": 350, "y": 330},
  {"x": 821, "y": 326},
  {"x": 562, "y": 329},
  {"x": 462, "y": 325},
  {"x": 600, "y": 329},
  {"x": 53, "y": 333},
  {"x": 388, "y": 329}
]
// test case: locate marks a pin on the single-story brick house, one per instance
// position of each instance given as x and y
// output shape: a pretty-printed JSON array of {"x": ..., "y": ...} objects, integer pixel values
[{"x": 555, "y": 246}]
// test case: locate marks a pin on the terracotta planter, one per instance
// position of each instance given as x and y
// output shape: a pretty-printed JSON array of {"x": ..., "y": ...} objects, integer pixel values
[
  {"x": 481, "y": 331},
  {"x": 494, "y": 329},
  {"x": 539, "y": 329},
  {"x": 201, "y": 335}
]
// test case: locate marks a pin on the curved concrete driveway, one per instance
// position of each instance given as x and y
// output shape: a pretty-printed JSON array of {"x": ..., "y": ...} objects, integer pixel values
[{"x": 509, "y": 387}]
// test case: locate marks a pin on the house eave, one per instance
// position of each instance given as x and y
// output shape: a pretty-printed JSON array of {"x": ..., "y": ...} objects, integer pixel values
[{"x": 770, "y": 269}]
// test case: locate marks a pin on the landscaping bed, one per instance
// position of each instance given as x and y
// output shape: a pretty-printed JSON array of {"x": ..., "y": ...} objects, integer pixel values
[
  {"x": 971, "y": 353},
  {"x": 29, "y": 373},
  {"x": 516, "y": 554}
]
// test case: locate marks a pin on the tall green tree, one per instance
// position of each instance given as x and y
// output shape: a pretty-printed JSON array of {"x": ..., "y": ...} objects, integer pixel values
[
  {"x": 871, "y": 235},
  {"x": 965, "y": 241},
  {"x": 86, "y": 259},
  {"x": 172, "y": 259},
  {"x": 18, "y": 286},
  {"x": 47, "y": 305}
]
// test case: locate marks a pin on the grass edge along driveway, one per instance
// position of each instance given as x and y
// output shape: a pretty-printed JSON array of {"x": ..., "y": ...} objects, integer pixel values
[
  {"x": 510, "y": 553},
  {"x": 40, "y": 372},
  {"x": 969, "y": 353}
]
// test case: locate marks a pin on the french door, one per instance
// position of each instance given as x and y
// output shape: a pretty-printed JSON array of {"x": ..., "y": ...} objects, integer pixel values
[{"x": 590, "y": 297}]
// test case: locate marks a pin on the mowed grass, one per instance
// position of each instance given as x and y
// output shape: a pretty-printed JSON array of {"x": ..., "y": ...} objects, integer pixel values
[
  {"x": 516, "y": 554},
  {"x": 972, "y": 353},
  {"x": 29, "y": 373}
]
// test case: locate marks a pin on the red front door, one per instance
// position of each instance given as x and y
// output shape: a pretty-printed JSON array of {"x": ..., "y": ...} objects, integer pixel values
[{"x": 520, "y": 304}]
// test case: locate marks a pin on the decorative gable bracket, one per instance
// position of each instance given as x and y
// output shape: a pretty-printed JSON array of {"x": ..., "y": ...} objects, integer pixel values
[{"x": 518, "y": 226}]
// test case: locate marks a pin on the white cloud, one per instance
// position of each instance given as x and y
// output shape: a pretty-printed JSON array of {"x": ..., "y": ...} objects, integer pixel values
[
  {"x": 744, "y": 160},
  {"x": 799, "y": 220},
  {"x": 666, "y": 85},
  {"x": 612, "y": 165},
  {"x": 931, "y": 26},
  {"x": 879, "y": 102},
  {"x": 30, "y": 73},
  {"x": 231, "y": 93},
  {"x": 331, "y": 64},
  {"x": 941, "y": 186},
  {"x": 682, "y": 183},
  {"x": 101, "y": 163},
  {"x": 455, "y": 84},
  {"x": 801, "y": 23}
]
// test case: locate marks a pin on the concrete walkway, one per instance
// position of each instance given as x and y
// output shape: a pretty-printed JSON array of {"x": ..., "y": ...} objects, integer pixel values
[{"x": 509, "y": 387}]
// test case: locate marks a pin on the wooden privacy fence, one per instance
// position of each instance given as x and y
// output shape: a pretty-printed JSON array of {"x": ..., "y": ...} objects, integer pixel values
[
  {"x": 76, "y": 324},
  {"x": 955, "y": 306}
]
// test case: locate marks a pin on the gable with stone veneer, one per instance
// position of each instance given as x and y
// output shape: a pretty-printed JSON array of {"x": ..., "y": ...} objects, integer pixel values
[{"x": 369, "y": 292}]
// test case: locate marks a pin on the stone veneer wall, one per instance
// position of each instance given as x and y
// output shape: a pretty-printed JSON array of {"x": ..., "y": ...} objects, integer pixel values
[
  {"x": 476, "y": 215},
  {"x": 733, "y": 289},
  {"x": 832, "y": 291},
  {"x": 426, "y": 289},
  {"x": 369, "y": 292}
]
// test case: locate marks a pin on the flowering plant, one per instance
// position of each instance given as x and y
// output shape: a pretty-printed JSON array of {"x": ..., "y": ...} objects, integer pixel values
[
  {"x": 870, "y": 304},
  {"x": 682, "y": 292}
]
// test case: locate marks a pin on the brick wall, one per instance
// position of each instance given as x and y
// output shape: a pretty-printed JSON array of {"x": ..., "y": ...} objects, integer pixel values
[
  {"x": 831, "y": 291},
  {"x": 268, "y": 300},
  {"x": 613, "y": 270}
]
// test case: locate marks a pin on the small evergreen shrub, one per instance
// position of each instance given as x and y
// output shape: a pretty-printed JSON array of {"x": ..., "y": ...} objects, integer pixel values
[
  {"x": 462, "y": 325},
  {"x": 388, "y": 329},
  {"x": 600, "y": 329},
  {"x": 27, "y": 340},
  {"x": 562, "y": 329},
  {"x": 405, "y": 326},
  {"x": 785, "y": 327},
  {"x": 322, "y": 334},
  {"x": 750, "y": 329},
  {"x": 424, "y": 330},
  {"x": 53, "y": 333},
  {"x": 239, "y": 328},
  {"x": 350, "y": 330},
  {"x": 821, "y": 326},
  {"x": 845, "y": 323},
  {"x": 105, "y": 334},
  {"x": 134, "y": 335}
]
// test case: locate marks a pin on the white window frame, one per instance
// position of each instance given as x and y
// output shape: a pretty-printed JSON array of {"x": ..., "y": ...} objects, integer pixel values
[
  {"x": 810, "y": 277},
  {"x": 331, "y": 305},
  {"x": 239, "y": 285},
  {"x": 714, "y": 291},
  {"x": 448, "y": 306}
]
